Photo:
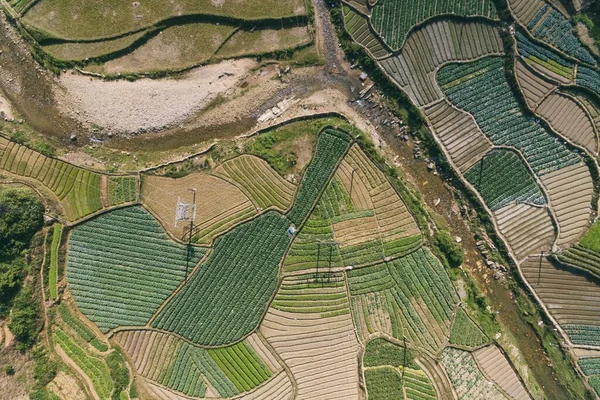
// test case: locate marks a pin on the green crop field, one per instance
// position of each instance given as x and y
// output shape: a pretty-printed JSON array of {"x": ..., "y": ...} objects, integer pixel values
[
  {"x": 332, "y": 145},
  {"x": 82, "y": 330},
  {"x": 232, "y": 287},
  {"x": 416, "y": 278},
  {"x": 480, "y": 88},
  {"x": 466, "y": 333},
  {"x": 122, "y": 189},
  {"x": 384, "y": 384},
  {"x": 393, "y": 19},
  {"x": 380, "y": 352},
  {"x": 122, "y": 266},
  {"x": 502, "y": 179},
  {"x": 53, "y": 270},
  {"x": 94, "y": 367}
]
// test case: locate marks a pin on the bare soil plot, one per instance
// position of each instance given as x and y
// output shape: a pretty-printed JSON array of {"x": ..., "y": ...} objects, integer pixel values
[
  {"x": 534, "y": 88},
  {"x": 493, "y": 364},
  {"x": 414, "y": 69},
  {"x": 219, "y": 204},
  {"x": 321, "y": 352},
  {"x": 528, "y": 229},
  {"x": 571, "y": 298},
  {"x": 570, "y": 190},
  {"x": 358, "y": 27},
  {"x": 525, "y": 10},
  {"x": 459, "y": 134},
  {"x": 569, "y": 119},
  {"x": 66, "y": 387}
]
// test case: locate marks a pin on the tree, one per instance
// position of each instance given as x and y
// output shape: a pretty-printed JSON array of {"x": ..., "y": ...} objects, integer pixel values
[
  {"x": 450, "y": 250},
  {"x": 21, "y": 216}
]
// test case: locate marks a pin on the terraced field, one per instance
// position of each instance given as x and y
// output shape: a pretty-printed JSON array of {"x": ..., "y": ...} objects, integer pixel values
[
  {"x": 394, "y": 19},
  {"x": 122, "y": 266},
  {"x": 433, "y": 45},
  {"x": 411, "y": 296},
  {"x": 78, "y": 190}
]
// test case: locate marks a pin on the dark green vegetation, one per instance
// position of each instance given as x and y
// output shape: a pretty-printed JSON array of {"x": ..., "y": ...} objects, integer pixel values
[
  {"x": 502, "y": 178},
  {"x": 393, "y": 19},
  {"x": 230, "y": 291},
  {"x": 20, "y": 218},
  {"x": 331, "y": 147},
  {"x": 380, "y": 352},
  {"x": 481, "y": 88},
  {"x": 384, "y": 383},
  {"x": 122, "y": 266},
  {"x": 449, "y": 251}
]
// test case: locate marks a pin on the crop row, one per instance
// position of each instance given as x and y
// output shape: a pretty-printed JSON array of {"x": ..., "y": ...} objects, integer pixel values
[
  {"x": 466, "y": 333},
  {"x": 122, "y": 189},
  {"x": 358, "y": 27},
  {"x": 228, "y": 294},
  {"x": 417, "y": 385},
  {"x": 312, "y": 246},
  {"x": 558, "y": 31},
  {"x": 533, "y": 52},
  {"x": 241, "y": 365},
  {"x": 416, "y": 278},
  {"x": 331, "y": 147},
  {"x": 183, "y": 374},
  {"x": 502, "y": 179},
  {"x": 312, "y": 293},
  {"x": 83, "y": 331},
  {"x": 393, "y": 19},
  {"x": 487, "y": 95},
  {"x": 590, "y": 365},
  {"x": 587, "y": 335},
  {"x": 582, "y": 258},
  {"x": 77, "y": 189},
  {"x": 122, "y": 266},
  {"x": 467, "y": 379},
  {"x": 93, "y": 367},
  {"x": 53, "y": 270},
  {"x": 588, "y": 78},
  {"x": 335, "y": 202},
  {"x": 263, "y": 183}
]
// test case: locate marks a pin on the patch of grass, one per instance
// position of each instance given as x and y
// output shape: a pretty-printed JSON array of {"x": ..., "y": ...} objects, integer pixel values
[
  {"x": 53, "y": 272},
  {"x": 380, "y": 352},
  {"x": 277, "y": 146},
  {"x": 591, "y": 240},
  {"x": 384, "y": 384}
]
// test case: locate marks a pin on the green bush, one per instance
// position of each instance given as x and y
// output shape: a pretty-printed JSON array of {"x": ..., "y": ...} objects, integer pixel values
[
  {"x": 450, "y": 251},
  {"x": 9, "y": 369},
  {"x": 24, "y": 320}
]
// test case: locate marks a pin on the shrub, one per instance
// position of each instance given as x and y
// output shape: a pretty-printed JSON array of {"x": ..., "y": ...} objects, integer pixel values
[{"x": 449, "y": 249}]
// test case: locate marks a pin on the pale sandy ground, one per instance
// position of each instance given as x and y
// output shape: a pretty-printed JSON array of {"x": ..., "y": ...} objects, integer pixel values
[
  {"x": 6, "y": 111},
  {"x": 146, "y": 104}
]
